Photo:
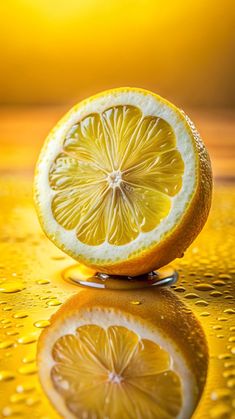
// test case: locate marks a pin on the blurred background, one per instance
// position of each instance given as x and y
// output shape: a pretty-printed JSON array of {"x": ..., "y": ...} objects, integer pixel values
[{"x": 56, "y": 52}]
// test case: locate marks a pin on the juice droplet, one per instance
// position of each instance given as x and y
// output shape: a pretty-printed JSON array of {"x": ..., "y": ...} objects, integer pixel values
[
  {"x": 135, "y": 303},
  {"x": 27, "y": 339},
  {"x": 20, "y": 315},
  {"x": 6, "y": 344},
  {"x": 43, "y": 282},
  {"x": 229, "y": 311},
  {"x": 53, "y": 302},
  {"x": 204, "y": 287},
  {"x": 11, "y": 287},
  {"x": 28, "y": 369},
  {"x": 42, "y": 323},
  {"x": 201, "y": 303},
  {"x": 216, "y": 293},
  {"x": 6, "y": 375}
]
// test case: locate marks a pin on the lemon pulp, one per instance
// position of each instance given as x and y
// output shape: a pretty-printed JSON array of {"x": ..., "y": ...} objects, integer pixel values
[
  {"x": 116, "y": 176},
  {"x": 114, "y": 373}
]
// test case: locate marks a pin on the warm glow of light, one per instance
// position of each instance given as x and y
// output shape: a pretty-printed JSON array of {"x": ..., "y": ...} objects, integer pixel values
[{"x": 60, "y": 50}]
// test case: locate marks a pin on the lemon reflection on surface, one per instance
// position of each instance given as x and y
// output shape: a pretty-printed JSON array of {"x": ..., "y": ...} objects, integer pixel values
[{"x": 127, "y": 353}]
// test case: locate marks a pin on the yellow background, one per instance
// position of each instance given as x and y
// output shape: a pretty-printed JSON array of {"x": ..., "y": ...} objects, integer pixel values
[{"x": 58, "y": 51}]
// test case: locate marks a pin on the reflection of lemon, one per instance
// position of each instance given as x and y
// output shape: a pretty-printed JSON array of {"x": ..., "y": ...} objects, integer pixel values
[
  {"x": 97, "y": 360},
  {"x": 123, "y": 182}
]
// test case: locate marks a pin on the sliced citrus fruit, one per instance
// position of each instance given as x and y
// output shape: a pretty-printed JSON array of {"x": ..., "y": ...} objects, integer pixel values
[
  {"x": 123, "y": 182},
  {"x": 100, "y": 361}
]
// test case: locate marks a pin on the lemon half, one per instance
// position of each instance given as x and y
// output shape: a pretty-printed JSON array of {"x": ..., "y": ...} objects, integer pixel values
[{"x": 123, "y": 182}]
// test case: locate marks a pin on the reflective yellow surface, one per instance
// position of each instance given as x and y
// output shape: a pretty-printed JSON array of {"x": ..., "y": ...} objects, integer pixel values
[{"x": 32, "y": 289}]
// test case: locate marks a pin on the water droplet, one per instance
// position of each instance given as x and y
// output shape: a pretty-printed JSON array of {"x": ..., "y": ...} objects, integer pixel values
[
  {"x": 221, "y": 393},
  {"x": 28, "y": 359},
  {"x": 216, "y": 293},
  {"x": 191, "y": 295},
  {"x": 221, "y": 411},
  {"x": 201, "y": 303},
  {"x": 42, "y": 323},
  {"x": 6, "y": 344},
  {"x": 43, "y": 282},
  {"x": 11, "y": 287},
  {"x": 6, "y": 375},
  {"x": 135, "y": 303},
  {"x": 20, "y": 315},
  {"x": 233, "y": 350},
  {"x": 204, "y": 287},
  {"x": 232, "y": 328},
  {"x": 180, "y": 289},
  {"x": 222, "y": 319},
  {"x": 225, "y": 276},
  {"x": 5, "y": 321},
  {"x": 11, "y": 411},
  {"x": 17, "y": 398},
  {"x": 12, "y": 333},
  {"x": 231, "y": 383},
  {"x": 208, "y": 274},
  {"x": 217, "y": 327},
  {"x": 224, "y": 356},
  {"x": 231, "y": 339},
  {"x": 229, "y": 311},
  {"x": 205, "y": 314},
  {"x": 25, "y": 388},
  {"x": 28, "y": 369},
  {"x": 53, "y": 302},
  {"x": 229, "y": 364},
  {"x": 219, "y": 283},
  {"x": 31, "y": 401},
  {"x": 229, "y": 373},
  {"x": 30, "y": 338},
  {"x": 220, "y": 336}
]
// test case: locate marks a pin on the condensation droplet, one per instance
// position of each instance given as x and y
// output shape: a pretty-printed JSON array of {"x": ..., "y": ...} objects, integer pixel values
[
  {"x": 135, "y": 303},
  {"x": 27, "y": 339},
  {"x": 42, "y": 323},
  {"x": 201, "y": 303},
  {"x": 204, "y": 287},
  {"x": 6, "y": 375},
  {"x": 43, "y": 282},
  {"x": 6, "y": 344},
  {"x": 28, "y": 369},
  {"x": 53, "y": 302}
]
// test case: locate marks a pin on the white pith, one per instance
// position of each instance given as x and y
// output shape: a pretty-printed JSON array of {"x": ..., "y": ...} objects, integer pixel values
[
  {"x": 109, "y": 317},
  {"x": 150, "y": 106}
]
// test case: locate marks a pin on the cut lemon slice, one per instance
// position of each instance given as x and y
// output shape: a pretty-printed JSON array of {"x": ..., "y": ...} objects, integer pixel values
[
  {"x": 98, "y": 361},
  {"x": 123, "y": 182}
]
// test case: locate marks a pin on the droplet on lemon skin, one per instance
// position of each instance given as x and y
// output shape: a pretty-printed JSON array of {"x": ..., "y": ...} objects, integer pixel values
[{"x": 6, "y": 375}]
